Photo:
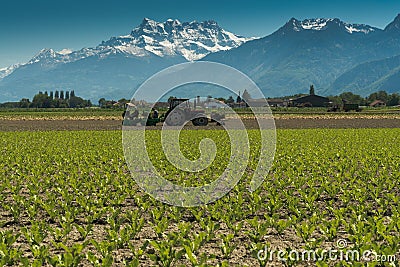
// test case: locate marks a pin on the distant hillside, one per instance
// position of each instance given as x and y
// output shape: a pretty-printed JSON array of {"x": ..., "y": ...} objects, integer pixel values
[
  {"x": 315, "y": 51},
  {"x": 115, "y": 68},
  {"x": 370, "y": 77},
  {"x": 333, "y": 55}
]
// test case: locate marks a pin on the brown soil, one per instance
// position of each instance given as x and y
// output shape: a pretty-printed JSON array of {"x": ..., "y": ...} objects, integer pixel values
[{"x": 281, "y": 123}]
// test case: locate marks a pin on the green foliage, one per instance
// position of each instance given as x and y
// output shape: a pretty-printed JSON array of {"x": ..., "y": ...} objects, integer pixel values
[
  {"x": 312, "y": 90},
  {"x": 72, "y": 201},
  {"x": 44, "y": 100},
  {"x": 352, "y": 98}
]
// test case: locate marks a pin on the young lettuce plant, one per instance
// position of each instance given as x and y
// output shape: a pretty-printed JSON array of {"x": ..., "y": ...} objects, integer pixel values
[
  {"x": 8, "y": 255},
  {"x": 167, "y": 253},
  {"x": 227, "y": 246}
]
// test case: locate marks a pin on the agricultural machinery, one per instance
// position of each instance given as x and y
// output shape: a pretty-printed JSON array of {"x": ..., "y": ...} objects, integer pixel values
[
  {"x": 179, "y": 112},
  {"x": 346, "y": 107}
]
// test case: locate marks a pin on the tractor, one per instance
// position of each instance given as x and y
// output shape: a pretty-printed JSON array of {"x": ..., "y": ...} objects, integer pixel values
[
  {"x": 180, "y": 111},
  {"x": 132, "y": 117},
  {"x": 349, "y": 106},
  {"x": 346, "y": 107}
]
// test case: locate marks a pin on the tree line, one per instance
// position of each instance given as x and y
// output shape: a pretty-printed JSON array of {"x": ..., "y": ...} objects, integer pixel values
[
  {"x": 389, "y": 99},
  {"x": 52, "y": 99}
]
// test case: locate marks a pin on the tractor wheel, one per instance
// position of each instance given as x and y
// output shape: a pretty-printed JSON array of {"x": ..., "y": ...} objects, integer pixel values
[
  {"x": 175, "y": 118},
  {"x": 201, "y": 121}
]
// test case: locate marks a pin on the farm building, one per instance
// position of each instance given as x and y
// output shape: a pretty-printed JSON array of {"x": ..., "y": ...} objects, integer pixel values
[
  {"x": 262, "y": 102},
  {"x": 276, "y": 102},
  {"x": 377, "y": 104},
  {"x": 310, "y": 101},
  {"x": 214, "y": 104}
]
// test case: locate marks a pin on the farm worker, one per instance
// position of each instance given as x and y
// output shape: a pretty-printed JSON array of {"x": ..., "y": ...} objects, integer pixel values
[
  {"x": 131, "y": 111},
  {"x": 135, "y": 114},
  {"x": 155, "y": 114}
]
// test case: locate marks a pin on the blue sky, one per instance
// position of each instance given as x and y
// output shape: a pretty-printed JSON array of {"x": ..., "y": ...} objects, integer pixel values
[{"x": 26, "y": 26}]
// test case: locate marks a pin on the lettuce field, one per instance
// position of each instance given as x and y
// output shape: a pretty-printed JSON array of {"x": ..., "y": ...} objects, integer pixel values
[{"x": 67, "y": 199}]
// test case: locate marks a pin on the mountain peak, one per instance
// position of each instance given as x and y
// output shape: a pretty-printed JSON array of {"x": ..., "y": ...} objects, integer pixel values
[
  {"x": 394, "y": 25},
  {"x": 147, "y": 24},
  {"x": 210, "y": 22},
  {"x": 322, "y": 24},
  {"x": 46, "y": 53},
  {"x": 293, "y": 21},
  {"x": 147, "y": 21},
  {"x": 192, "y": 40},
  {"x": 173, "y": 22}
]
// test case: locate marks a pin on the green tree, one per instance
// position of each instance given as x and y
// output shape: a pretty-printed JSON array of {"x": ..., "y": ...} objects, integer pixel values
[
  {"x": 102, "y": 102},
  {"x": 352, "y": 98},
  {"x": 123, "y": 101},
  {"x": 372, "y": 97},
  {"x": 62, "y": 104},
  {"x": 312, "y": 90},
  {"x": 41, "y": 100},
  {"x": 67, "y": 95},
  {"x": 24, "y": 103},
  {"x": 57, "y": 94},
  {"x": 381, "y": 95},
  {"x": 393, "y": 100},
  {"x": 221, "y": 99},
  {"x": 336, "y": 100},
  {"x": 61, "y": 94},
  {"x": 78, "y": 102},
  {"x": 238, "y": 98},
  {"x": 230, "y": 100}
]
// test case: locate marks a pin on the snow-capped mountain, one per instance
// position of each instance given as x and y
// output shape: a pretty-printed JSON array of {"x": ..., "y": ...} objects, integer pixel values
[
  {"x": 7, "y": 71},
  {"x": 322, "y": 24},
  {"x": 49, "y": 58},
  {"x": 192, "y": 40},
  {"x": 300, "y": 53},
  {"x": 314, "y": 51},
  {"x": 114, "y": 67}
]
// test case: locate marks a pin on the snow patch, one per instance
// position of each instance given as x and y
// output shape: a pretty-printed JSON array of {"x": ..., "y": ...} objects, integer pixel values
[
  {"x": 323, "y": 24},
  {"x": 192, "y": 40},
  {"x": 65, "y": 51},
  {"x": 8, "y": 70},
  {"x": 358, "y": 28},
  {"x": 316, "y": 25},
  {"x": 133, "y": 50}
]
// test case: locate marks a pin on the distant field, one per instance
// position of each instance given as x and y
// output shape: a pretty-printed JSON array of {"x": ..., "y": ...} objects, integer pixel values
[
  {"x": 67, "y": 199},
  {"x": 60, "y": 114},
  {"x": 111, "y": 119},
  {"x": 116, "y": 114}
]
